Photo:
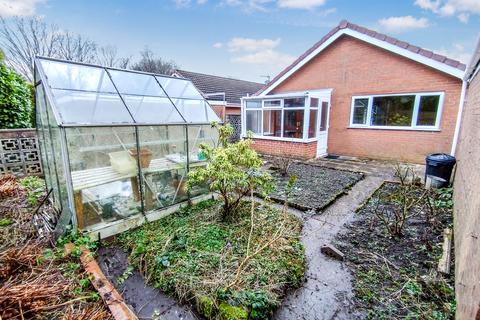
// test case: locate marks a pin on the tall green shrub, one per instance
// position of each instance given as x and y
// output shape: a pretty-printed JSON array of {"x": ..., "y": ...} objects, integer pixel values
[
  {"x": 233, "y": 170},
  {"x": 16, "y": 106}
]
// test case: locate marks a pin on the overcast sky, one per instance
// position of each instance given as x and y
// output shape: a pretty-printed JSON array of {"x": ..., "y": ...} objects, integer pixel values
[{"x": 249, "y": 39}]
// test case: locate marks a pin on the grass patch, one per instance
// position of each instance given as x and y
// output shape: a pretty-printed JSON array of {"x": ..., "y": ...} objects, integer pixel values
[{"x": 194, "y": 256}]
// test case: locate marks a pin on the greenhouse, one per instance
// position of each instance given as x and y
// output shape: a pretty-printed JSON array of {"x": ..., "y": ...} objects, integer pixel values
[{"x": 117, "y": 144}]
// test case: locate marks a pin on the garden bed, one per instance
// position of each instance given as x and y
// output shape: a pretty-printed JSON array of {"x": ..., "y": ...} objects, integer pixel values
[
  {"x": 195, "y": 257},
  {"x": 395, "y": 277},
  {"x": 315, "y": 188},
  {"x": 37, "y": 280}
]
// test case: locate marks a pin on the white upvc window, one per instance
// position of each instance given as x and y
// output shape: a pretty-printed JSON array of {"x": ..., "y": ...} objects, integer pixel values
[
  {"x": 411, "y": 111},
  {"x": 276, "y": 118}
]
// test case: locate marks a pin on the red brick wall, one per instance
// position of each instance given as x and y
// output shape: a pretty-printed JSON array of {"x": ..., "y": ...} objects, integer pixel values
[
  {"x": 233, "y": 110},
  {"x": 297, "y": 150},
  {"x": 467, "y": 208},
  {"x": 222, "y": 111},
  {"x": 219, "y": 110},
  {"x": 352, "y": 67}
]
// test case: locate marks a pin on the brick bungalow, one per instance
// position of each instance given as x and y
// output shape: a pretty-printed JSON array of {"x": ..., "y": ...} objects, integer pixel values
[
  {"x": 359, "y": 93},
  {"x": 223, "y": 94}
]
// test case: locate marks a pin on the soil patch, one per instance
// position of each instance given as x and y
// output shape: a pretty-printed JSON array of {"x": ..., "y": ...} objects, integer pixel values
[
  {"x": 146, "y": 301},
  {"x": 395, "y": 277},
  {"x": 316, "y": 187}
]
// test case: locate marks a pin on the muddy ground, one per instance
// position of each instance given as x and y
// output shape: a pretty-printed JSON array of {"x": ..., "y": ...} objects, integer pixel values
[
  {"x": 315, "y": 188},
  {"x": 395, "y": 277},
  {"x": 146, "y": 301}
]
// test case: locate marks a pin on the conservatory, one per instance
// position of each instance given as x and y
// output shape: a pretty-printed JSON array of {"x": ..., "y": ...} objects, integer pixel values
[{"x": 117, "y": 144}]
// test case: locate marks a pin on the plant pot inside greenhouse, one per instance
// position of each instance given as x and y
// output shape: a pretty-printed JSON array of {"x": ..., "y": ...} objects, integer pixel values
[
  {"x": 145, "y": 156},
  {"x": 118, "y": 144}
]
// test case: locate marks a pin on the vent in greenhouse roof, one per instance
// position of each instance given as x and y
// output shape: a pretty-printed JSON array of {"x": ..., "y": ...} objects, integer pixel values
[{"x": 83, "y": 94}]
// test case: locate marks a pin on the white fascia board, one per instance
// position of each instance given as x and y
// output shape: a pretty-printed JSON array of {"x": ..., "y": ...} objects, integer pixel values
[
  {"x": 376, "y": 42},
  {"x": 217, "y": 102},
  {"x": 315, "y": 92}
]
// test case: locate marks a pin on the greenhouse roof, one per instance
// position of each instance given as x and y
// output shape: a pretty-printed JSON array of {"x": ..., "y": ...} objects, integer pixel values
[{"x": 83, "y": 94}]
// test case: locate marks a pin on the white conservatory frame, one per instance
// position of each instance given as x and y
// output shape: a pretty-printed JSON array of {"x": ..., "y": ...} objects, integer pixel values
[{"x": 321, "y": 94}]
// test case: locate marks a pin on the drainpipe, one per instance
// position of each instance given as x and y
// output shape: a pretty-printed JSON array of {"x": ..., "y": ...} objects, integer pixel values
[{"x": 459, "y": 117}]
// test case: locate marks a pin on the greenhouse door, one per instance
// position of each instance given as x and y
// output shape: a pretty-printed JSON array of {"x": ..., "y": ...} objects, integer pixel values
[{"x": 323, "y": 122}]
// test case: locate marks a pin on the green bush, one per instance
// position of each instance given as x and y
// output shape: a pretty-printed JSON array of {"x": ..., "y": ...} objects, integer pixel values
[
  {"x": 233, "y": 170},
  {"x": 16, "y": 109}
]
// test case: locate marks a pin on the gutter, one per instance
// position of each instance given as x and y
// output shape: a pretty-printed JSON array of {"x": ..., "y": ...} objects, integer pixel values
[{"x": 459, "y": 118}]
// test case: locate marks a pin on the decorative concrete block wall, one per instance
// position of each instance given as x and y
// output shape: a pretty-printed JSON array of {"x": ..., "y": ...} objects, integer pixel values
[{"x": 19, "y": 152}]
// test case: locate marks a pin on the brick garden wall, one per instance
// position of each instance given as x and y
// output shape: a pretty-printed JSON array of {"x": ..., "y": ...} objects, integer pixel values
[
  {"x": 297, "y": 150},
  {"x": 467, "y": 208},
  {"x": 352, "y": 67}
]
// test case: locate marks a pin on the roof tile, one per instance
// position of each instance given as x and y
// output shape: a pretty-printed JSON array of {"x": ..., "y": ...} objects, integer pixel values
[
  {"x": 233, "y": 89},
  {"x": 425, "y": 53},
  {"x": 415, "y": 49},
  {"x": 438, "y": 57},
  {"x": 402, "y": 44},
  {"x": 380, "y": 36}
]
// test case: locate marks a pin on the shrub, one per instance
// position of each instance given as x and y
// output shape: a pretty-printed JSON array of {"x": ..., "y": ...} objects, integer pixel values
[
  {"x": 233, "y": 171},
  {"x": 16, "y": 109},
  {"x": 395, "y": 216}
]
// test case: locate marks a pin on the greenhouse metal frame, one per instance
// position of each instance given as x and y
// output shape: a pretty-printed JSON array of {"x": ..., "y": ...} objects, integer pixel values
[{"x": 117, "y": 145}]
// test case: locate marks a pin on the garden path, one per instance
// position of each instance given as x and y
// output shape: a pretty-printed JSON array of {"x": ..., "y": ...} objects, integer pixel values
[{"x": 327, "y": 292}]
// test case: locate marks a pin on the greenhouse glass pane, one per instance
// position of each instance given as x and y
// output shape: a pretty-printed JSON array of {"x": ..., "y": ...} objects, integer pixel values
[
  {"x": 164, "y": 165},
  {"x": 179, "y": 88},
  {"x": 49, "y": 155},
  {"x": 104, "y": 174},
  {"x": 64, "y": 75},
  {"x": 192, "y": 110},
  {"x": 56, "y": 144},
  {"x": 90, "y": 107},
  {"x": 198, "y": 135},
  {"x": 41, "y": 129},
  {"x": 136, "y": 83},
  {"x": 211, "y": 115},
  {"x": 152, "y": 109}
]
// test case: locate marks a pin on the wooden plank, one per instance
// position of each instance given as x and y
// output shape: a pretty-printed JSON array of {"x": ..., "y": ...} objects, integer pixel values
[
  {"x": 445, "y": 259},
  {"x": 78, "y": 200}
]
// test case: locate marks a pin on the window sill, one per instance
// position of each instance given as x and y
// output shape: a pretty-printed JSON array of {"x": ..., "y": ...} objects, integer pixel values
[
  {"x": 395, "y": 128},
  {"x": 284, "y": 139}
]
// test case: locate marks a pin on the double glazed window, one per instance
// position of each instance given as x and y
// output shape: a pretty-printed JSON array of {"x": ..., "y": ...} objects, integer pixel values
[
  {"x": 282, "y": 118},
  {"x": 415, "y": 111}
]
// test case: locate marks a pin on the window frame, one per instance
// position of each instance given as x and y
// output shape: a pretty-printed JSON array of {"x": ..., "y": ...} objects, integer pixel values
[
  {"x": 416, "y": 108},
  {"x": 306, "y": 116}
]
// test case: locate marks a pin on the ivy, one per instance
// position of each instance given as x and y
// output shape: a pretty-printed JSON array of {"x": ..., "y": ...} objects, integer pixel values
[{"x": 16, "y": 107}]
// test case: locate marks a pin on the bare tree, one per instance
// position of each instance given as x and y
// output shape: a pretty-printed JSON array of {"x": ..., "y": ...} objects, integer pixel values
[
  {"x": 149, "y": 63},
  {"x": 107, "y": 56},
  {"x": 75, "y": 47},
  {"x": 24, "y": 38}
]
